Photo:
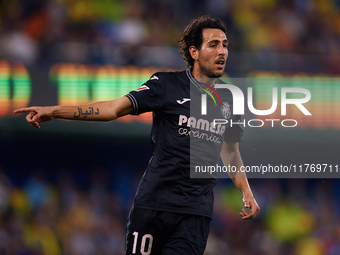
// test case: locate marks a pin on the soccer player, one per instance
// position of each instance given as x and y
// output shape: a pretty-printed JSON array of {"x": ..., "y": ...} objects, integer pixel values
[{"x": 171, "y": 212}]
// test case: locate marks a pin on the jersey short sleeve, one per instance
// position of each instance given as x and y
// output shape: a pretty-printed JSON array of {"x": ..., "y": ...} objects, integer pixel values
[
  {"x": 150, "y": 96},
  {"x": 234, "y": 132}
]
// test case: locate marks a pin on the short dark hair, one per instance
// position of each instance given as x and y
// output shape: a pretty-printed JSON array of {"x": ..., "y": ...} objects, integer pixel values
[{"x": 193, "y": 35}]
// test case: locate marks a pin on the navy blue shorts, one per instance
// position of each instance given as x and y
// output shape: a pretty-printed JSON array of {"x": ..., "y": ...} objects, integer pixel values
[{"x": 165, "y": 233}]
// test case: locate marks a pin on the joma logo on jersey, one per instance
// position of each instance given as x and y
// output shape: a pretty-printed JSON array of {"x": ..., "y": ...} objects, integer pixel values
[{"x": 238, "y": 100}]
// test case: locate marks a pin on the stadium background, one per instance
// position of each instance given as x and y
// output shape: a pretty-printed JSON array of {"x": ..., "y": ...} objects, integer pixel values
[{"x": 67, "y": 188}]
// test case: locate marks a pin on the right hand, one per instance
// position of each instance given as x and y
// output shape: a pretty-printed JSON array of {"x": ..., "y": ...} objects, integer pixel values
[{"x": 37, "y": 114}]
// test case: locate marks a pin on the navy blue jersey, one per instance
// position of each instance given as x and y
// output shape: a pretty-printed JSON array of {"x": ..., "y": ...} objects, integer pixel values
[{"x": 181, "y": 137}]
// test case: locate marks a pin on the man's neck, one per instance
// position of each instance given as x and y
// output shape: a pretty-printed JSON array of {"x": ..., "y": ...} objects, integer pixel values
[{"x": 196, "y": 73}]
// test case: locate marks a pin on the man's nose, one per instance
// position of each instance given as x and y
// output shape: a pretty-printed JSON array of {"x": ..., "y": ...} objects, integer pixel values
[{"x": 221, "y": 50}]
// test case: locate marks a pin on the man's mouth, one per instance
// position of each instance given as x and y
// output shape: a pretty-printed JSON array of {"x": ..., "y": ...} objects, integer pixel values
[{"x": 220, "y": 63}]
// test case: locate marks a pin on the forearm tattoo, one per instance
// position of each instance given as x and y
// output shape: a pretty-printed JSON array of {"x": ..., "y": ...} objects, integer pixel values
[{"x": 82, "y": 113}]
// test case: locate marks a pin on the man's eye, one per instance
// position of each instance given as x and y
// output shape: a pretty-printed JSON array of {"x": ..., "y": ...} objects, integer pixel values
[{"x": 213, "y": 45}]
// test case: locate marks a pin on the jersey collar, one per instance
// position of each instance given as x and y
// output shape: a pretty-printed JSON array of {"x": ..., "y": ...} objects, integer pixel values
[{"x": 197, "y": 84}]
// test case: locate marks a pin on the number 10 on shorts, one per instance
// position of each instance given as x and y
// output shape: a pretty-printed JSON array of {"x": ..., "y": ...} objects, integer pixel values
[{"x": 147, "y": 238}]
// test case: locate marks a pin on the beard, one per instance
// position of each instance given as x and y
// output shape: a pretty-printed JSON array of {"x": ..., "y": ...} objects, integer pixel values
[{"x": 209, "y": 72}]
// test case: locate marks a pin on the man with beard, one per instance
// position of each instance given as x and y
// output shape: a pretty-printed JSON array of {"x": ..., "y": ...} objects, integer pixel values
[{"x": 171, "y": 212}]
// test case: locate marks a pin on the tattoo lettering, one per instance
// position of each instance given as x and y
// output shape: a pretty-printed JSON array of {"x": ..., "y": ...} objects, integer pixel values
[{"x": 80, "y": 112}]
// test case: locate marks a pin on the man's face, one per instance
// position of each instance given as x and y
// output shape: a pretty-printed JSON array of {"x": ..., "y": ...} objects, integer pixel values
[{"x": 213, "y": 54}]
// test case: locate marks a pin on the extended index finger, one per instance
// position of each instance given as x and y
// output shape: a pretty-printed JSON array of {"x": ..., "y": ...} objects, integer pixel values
[{"x": 22, "y": 110}]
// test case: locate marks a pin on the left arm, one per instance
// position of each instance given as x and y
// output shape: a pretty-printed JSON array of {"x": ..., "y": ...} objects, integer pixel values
[{"x": 230, "y": 155}]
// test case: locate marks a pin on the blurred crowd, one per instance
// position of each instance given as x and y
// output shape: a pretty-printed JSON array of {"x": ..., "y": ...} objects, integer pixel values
[
  {"x": 43, "y": 218},
  {"x": 144, "y": 33},
  {"x": 40, "y": 217}
]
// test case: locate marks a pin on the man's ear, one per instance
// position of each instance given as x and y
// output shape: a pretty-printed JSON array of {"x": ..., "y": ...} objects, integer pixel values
[{"x": 193, "y": 52}]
